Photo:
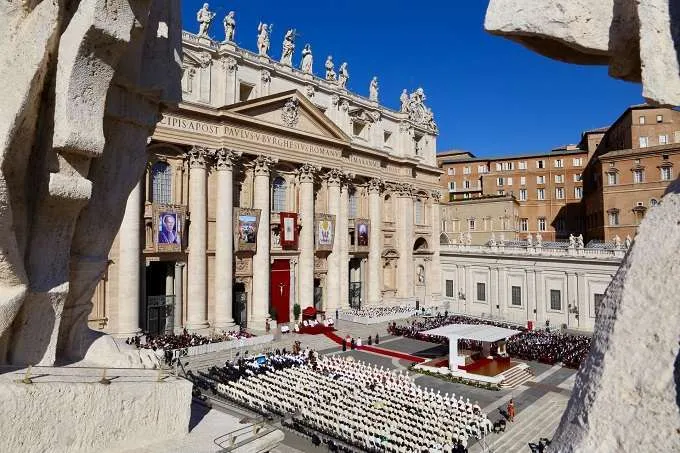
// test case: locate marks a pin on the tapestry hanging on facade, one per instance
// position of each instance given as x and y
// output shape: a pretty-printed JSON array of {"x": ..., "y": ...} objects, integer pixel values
[
  {"x": 324, "y": 231},
  {"x": 168, "y": 227},
  {"x": 246, "y": 222}
]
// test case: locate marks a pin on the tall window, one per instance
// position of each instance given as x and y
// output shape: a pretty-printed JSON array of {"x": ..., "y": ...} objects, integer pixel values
[
  {"x": 577, "y": 161},
  {"x": 540, "y": 164},
  {"x": 419, "y": 211},
  {"x": 451, "y": 171},
  {"x": 555, "y": 299},
  {"x": 540, "y": 179},
  {"x": 522, "y": 195},
  {"x": 578, "y": 192},
  {"x": 559, "y": 163},
  {"x": 659, "y": 118},
  {"x": 541, "y": 224},
  {"x": 449, "y": 288},
  {"x": 644, "y": 142},
  {"x": 540, "y": 193},
  {"x": 466, "y": 184},
  {"x": 523, "y": 165},
  {"x": 523, "y": 180},
  {"x": 663, "y": 139},
  {"x": 642, "y": 120},
  {"x": 471, "y": 225},
  {"x": 516, "y": 295},
  {"x": 452, "y": 185},
  {"x": 559, "y": 193},
  {"x": 524, "y": 224},
  {"x": 279, "y": 194},
  {"x": 481, "y": 292},
  {"x": 353, "y": 205},
  {"x": 638, "y": 176},
  {"x": 500, "y": 182},
  {"x": 578, "y": 177},
  {"x": 161, "y": 183},
  {"x": 666, "y": 173},
  {"x": 466, "y": 170},
  {"x": 612, "y": 179},
  {"x": 613, "y": 218}
]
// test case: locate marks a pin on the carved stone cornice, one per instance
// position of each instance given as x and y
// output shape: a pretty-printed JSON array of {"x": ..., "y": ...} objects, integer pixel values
[
  {"x": 204, "y": 59},
  {"x": 306, "y": 172},
  {"x": 403, "y": 189},
  {"x": 225, "y": 158},
  {"x": 266, "y": 76},
  {"x": 262, "y": 165},
  {"x": 197, "y": 157},
  {"x": 376, "y": 185}
]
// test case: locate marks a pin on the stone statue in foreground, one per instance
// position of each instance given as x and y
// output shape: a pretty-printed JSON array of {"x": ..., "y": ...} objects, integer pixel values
[
  {"x": 83, "y": 154},
  {"x": 627, "y": 393}
]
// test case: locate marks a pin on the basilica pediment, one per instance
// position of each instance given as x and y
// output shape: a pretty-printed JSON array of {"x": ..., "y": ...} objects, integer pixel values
[{"x": 291, "y": 110}]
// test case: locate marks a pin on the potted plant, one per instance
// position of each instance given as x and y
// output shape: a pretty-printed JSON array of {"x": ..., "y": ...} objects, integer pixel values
[{"x": 296, "y": 312}]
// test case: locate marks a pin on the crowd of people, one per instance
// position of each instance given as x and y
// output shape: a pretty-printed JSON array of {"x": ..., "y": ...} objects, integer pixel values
[
  {"x": 183, "y": 340},
  {"x": 544, "y": 346},
  {"x": 379, "y": 312},
  {"x": 356, "y": 404}
]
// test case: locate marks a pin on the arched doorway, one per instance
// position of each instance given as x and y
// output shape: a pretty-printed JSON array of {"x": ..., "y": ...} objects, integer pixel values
[{"x": 421, "y": 255}]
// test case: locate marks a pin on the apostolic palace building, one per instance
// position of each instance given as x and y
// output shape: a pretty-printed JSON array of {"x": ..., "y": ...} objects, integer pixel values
[{"x": 269, "y": 186}]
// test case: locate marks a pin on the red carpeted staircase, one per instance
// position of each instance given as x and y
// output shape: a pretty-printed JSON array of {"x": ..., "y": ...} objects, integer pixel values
[{"x": 376, "y": 350}]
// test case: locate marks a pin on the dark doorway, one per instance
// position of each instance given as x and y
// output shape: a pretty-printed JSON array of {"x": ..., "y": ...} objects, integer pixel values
[
  {"x": 280, "y": 290},
  {"x": 240, "y": 304},
  {"x": 160, "y": 299},
  {"x": 318, "y": 294}
]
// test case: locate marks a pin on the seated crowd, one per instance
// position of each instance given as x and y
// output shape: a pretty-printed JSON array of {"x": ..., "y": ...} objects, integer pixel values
[
  {"x": 544, "y": 346},
  {"x": 184, "y": 340},
  {"x": 357, "y": 404},
  {"x": 377, "y": 311}
]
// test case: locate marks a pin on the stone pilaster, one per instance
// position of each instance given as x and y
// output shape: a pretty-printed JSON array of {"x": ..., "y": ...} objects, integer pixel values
[
  {"x": 129, "y": 265},
  {"x": 305, "y": 177},
  {"x": 405, "y": 278},
  {"x": 333, "y": 180},
  {"x": 224, "y": 238},
  {"x": 375, "y": 187},
  {"x": 435, "y": 282},
  {"x": 261, "y": 265},
  {"x": 197, "y": 291},
  {"x": 230, "y": 65}
]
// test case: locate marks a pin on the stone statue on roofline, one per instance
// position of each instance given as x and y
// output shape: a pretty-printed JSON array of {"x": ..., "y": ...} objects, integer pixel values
[
  {"x": 343, "y": 75},
  {"x": 629, "y": 241},
  {"x": 461, "y": 238},
  {"x": 404, "y": 101},
  {"x": 579, "y": 241},
  {"x": 263, "y": 31},
  {"x": 288, "y": 47},
  {"x": 468, "y": 238},
  {"x": 572, "y": 241},
  {"x": 373, "y": 89},
  {"x": 307, "y": 60},
  {"x": 229, "y": 27},
  {"x": 530, "y": 240},
  {"x": 617, "y": 241},
  {"x": 204, "y": 17},
  {"x": 492, "y": 240},
  {"x": 330, "y": 69},
  {"x": 539, "y": 240},
  {"x": 418, "y": 112}
]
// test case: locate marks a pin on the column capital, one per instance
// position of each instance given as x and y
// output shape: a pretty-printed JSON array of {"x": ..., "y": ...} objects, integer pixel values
[
  {"x": 197, "y": 157},
  {"x": 230, "y": 64},
  {"x": 180, "y": 265},
  {"x": 263, "y": 164},
  {"x": 436, "y": 195},
  {"x": 306, "y": 173},
  {"x": 376, "y": 186},
  {"x": 225, "y": 158},
  {"x": 333, "y": 177},
  {"x": 404, "y": 190}
]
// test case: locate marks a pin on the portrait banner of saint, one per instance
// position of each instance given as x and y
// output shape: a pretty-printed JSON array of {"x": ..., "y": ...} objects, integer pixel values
[
  {"x": 361, "y": 231},
  {"x": 325, "y": 231},
  {"x": 246, "y": 222},
  {"x": 288, "y": 229},
  {"x": 168, "y": 227}
]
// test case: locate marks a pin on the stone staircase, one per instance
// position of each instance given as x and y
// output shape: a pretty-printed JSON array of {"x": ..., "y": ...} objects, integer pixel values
[{"x": 516, "y": 376}]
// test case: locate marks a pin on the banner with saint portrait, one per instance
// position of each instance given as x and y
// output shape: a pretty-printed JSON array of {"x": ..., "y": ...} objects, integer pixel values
[
  {"x": 246, "y": 222},
  {"x": 168, "y": 227},
  {"x": 288, "y": 230},
  {"x": 324, "y": 231},
  {"x": 361, "y": 231}
]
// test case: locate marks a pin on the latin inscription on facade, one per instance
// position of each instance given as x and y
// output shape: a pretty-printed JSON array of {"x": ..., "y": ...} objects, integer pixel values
[{"x": 364, "y": 161}]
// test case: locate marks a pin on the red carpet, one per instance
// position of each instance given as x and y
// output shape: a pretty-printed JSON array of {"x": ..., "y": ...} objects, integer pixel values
[
  {"x": 376, "y": 350},
  {"x": 316, "y": 330}
]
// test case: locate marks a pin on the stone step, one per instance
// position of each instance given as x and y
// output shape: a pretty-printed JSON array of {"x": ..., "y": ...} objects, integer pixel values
[{"x": 516, "y": 376}]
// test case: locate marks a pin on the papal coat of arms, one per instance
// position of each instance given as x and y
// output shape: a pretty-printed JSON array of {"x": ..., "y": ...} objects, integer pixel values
[{"x": 290, "y": 114}]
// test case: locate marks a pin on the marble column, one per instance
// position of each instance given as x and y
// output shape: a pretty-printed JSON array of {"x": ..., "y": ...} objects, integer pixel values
[
  {"x": 493, "y": 292},
  {"x": 305, "y": 176},
  {"x": 231, "y": 86},
  {"x": 343, "y": 227},
  {"x": 375, "y": 187},
  {"x": 197, "y": 291},
  {"x": 129, "y": 265},
  {"x": 540, "y": 299},
  {"x": 261, "y": 265},
  {"x": 224, "y": 238},
  {"x": 435, "y": 273},
  {"x": 531, "y": 296},
  {"x": 333, "y": 179},
  {"x": 405, "y": 278},
  {"x": 179, "y": 296}
]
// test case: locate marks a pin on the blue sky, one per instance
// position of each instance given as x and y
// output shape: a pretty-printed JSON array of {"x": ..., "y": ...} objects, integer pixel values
[{"x": 489, "y": 95}]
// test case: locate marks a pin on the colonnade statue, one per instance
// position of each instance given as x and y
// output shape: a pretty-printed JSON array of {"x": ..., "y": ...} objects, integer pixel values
[{"x": 81, "y": 95}]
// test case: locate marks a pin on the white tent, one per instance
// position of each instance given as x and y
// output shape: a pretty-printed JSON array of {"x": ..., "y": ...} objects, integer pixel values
[{"x": 477, "y": 332}]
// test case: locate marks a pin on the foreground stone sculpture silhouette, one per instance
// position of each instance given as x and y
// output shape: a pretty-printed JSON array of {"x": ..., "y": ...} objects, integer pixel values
[
  {"x": 81, "y": 88},
  {"x": 627, "y": 393}
]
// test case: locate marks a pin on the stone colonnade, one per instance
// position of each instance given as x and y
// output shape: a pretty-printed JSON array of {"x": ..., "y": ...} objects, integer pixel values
[{"x": 337, "y": 183}]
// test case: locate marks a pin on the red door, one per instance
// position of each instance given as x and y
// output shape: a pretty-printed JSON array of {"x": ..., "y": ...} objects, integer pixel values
[{"x": 280, "y": 290}]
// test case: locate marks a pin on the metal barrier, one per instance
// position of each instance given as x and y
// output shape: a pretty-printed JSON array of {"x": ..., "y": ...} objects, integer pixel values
[{"x": 221, "y": 346}]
